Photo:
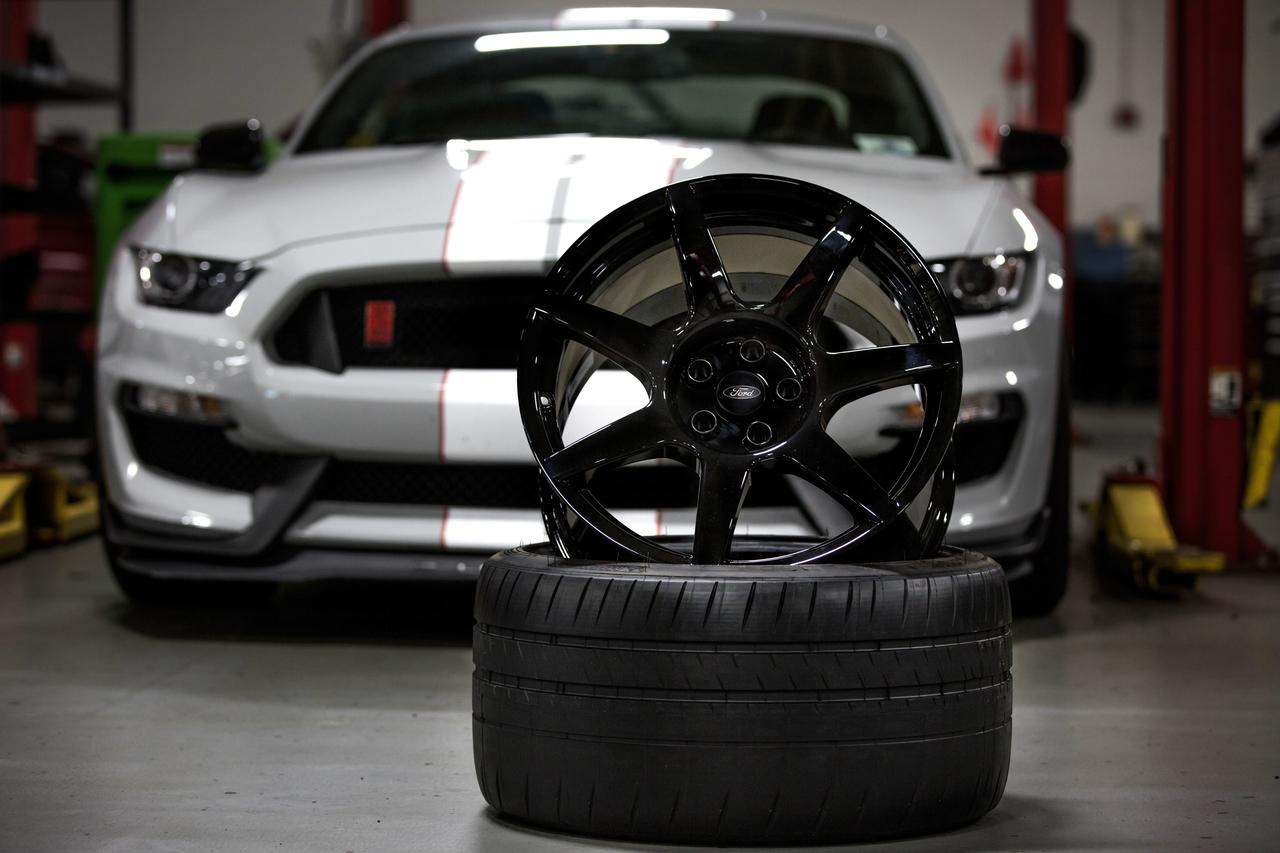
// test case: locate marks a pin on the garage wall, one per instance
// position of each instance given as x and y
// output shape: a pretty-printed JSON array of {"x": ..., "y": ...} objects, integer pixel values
[
  {"x": 196, "y": 61},
  {"x": 1117, "y": 169},
  {"x": 201, "y": 61}
]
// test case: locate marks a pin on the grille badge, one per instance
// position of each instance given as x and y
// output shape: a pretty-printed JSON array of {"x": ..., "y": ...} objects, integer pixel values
[{"x": 379, "y": 324}]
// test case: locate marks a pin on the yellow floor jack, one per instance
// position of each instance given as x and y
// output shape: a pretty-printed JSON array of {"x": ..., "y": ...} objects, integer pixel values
[
  {"x": 44, "y": 504},
  {"x": 13, "y": 513},
  {"x": 1133, "y": 537},
  {"x": 64, "y": 506},
  {"x": 1262, "y": 480}
]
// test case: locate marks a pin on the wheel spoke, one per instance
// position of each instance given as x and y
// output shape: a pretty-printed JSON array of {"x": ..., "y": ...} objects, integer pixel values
[
  {"x": 635, "y": 346},
  {"x": 706, "y": 283},
  {"x": 804, "y": 297},
  {"x": 846, "y": 376},
  {"x": 722, "y": 486},
  {"x": 632, "y": 437},
  {"x": 825, "y": 463}
]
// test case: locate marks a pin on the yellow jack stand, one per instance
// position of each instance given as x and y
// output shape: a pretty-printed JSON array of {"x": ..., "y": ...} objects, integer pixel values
[
  {"x": 63, "y": 510},
  {"x": 1133, "y": 537},
  {"x": 13, "y": 514}
]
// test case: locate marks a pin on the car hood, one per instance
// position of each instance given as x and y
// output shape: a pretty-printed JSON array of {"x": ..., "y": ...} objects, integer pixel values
[{"x": 523, "y": 201}]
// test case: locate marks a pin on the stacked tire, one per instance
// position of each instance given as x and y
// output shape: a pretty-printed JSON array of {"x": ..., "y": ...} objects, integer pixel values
[{"x": 742, "y": 703}]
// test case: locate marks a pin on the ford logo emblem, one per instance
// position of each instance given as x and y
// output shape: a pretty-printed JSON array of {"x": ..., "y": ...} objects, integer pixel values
[{"x": 742, "y": 392}]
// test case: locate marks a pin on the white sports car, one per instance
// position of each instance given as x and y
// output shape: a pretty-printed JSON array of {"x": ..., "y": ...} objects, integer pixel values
[{"x": 308, "y": 370}]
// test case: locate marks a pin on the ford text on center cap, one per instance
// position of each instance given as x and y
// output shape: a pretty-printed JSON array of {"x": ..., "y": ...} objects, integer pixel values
[{"x": 740, "y": 393}]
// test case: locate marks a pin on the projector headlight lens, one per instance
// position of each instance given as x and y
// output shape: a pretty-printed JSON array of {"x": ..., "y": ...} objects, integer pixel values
[
  {"x": 983, "y": 284},
  {"x": 190, "y": 283}
]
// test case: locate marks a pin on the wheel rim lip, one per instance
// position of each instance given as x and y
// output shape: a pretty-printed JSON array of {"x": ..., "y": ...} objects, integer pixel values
[
  {"x": 778, "y": 548},
  {"x": 585, "y": 266}
]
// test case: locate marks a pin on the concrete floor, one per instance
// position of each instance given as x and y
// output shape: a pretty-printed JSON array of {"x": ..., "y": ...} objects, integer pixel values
[{"x": 337, "y": 719}]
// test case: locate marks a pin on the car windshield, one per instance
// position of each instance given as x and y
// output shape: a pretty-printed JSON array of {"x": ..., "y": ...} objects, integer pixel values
[{"x": 753, "y": 87}]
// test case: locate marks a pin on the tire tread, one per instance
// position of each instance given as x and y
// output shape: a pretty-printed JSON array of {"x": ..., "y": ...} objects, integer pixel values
[{"x": 742, "y": 704}]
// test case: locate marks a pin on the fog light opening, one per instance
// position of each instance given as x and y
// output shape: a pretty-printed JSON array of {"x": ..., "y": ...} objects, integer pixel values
[
  {"x": 169, "y": 403},
  {"x": 975, "y": 408}
]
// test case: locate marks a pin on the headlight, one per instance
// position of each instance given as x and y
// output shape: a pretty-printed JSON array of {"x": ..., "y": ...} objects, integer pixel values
[
  {"x": 978, "y": 285},
  {"x": 190, "y": 284}
]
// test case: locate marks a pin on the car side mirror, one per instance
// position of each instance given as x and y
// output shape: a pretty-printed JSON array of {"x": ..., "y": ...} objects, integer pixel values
[
  {"x": 1029, "y": 151},
  {"x": 235, "y": 147}
]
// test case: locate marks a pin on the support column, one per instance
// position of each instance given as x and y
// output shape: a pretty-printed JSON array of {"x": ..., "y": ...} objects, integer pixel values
[
  {"x": 1203, "y": 294},
  {"x": 1051, "y": 51},
  {"x": 124, "y": 48},
  {"x": 383, "y": 15},
  {"x": 17, "y": 130}
]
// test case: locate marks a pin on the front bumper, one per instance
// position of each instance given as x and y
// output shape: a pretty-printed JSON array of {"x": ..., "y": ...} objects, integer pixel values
[
  {"x": 316, "y": 420},
  {"x": 174, "y": 554}
]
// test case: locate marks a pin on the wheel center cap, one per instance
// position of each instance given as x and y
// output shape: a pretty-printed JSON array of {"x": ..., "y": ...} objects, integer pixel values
[{"x": 740, "y": 392}]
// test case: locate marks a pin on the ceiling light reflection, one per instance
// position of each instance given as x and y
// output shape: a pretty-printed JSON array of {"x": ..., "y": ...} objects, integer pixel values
[{"x": 569, "y": 38}]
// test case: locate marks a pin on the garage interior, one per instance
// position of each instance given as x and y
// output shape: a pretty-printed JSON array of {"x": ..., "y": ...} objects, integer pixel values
[{"x": 336, "y": 714}]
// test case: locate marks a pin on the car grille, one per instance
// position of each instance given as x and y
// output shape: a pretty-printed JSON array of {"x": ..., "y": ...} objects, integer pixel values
[
  {"x": 500, "y": 486},
  {"x": 516, "y": 486},
  {"x": 201, "y": 453},
  {"x": 466, "y": 322}
]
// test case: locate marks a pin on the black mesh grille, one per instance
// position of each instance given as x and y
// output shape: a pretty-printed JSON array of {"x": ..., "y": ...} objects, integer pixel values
[
  {"x": 440, "y": 485},
  {"x": 983, "y": 448},
  {"x": 203, "y": 454},
  {"x": 516, "y": 486},
  {"x": 499, "y": 486},
  {"x": 199, "y": 452},
  {"x": 470, "y": 322}
]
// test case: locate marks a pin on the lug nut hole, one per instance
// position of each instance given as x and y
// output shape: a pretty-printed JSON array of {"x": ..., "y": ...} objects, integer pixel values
[
  {"x": 700, "y": 371},
  {"x": 751, "y": 350},
  {"x": 759, "y": 433},
  {"x": 788, "y": 390},
  {"x": 704, "y": 421}
]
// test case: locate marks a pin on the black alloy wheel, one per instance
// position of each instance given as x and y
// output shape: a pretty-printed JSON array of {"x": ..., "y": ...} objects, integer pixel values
[{"x": 736, "y": 386}]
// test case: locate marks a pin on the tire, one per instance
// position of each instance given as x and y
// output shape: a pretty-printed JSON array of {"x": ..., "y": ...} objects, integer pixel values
[
  {"x": 742, "y": 704},
  {"x": 1039, "y": 592}
]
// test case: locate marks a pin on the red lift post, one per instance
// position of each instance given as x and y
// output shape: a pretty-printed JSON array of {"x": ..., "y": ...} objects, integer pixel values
[
  {"x": 1204, "y": 289},
  {"x": 17, "y": 129},
  {"x": 383, "y": 15},
  {"x": 1051, "y": 49},
  {"x": 18, "y": 229}
]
